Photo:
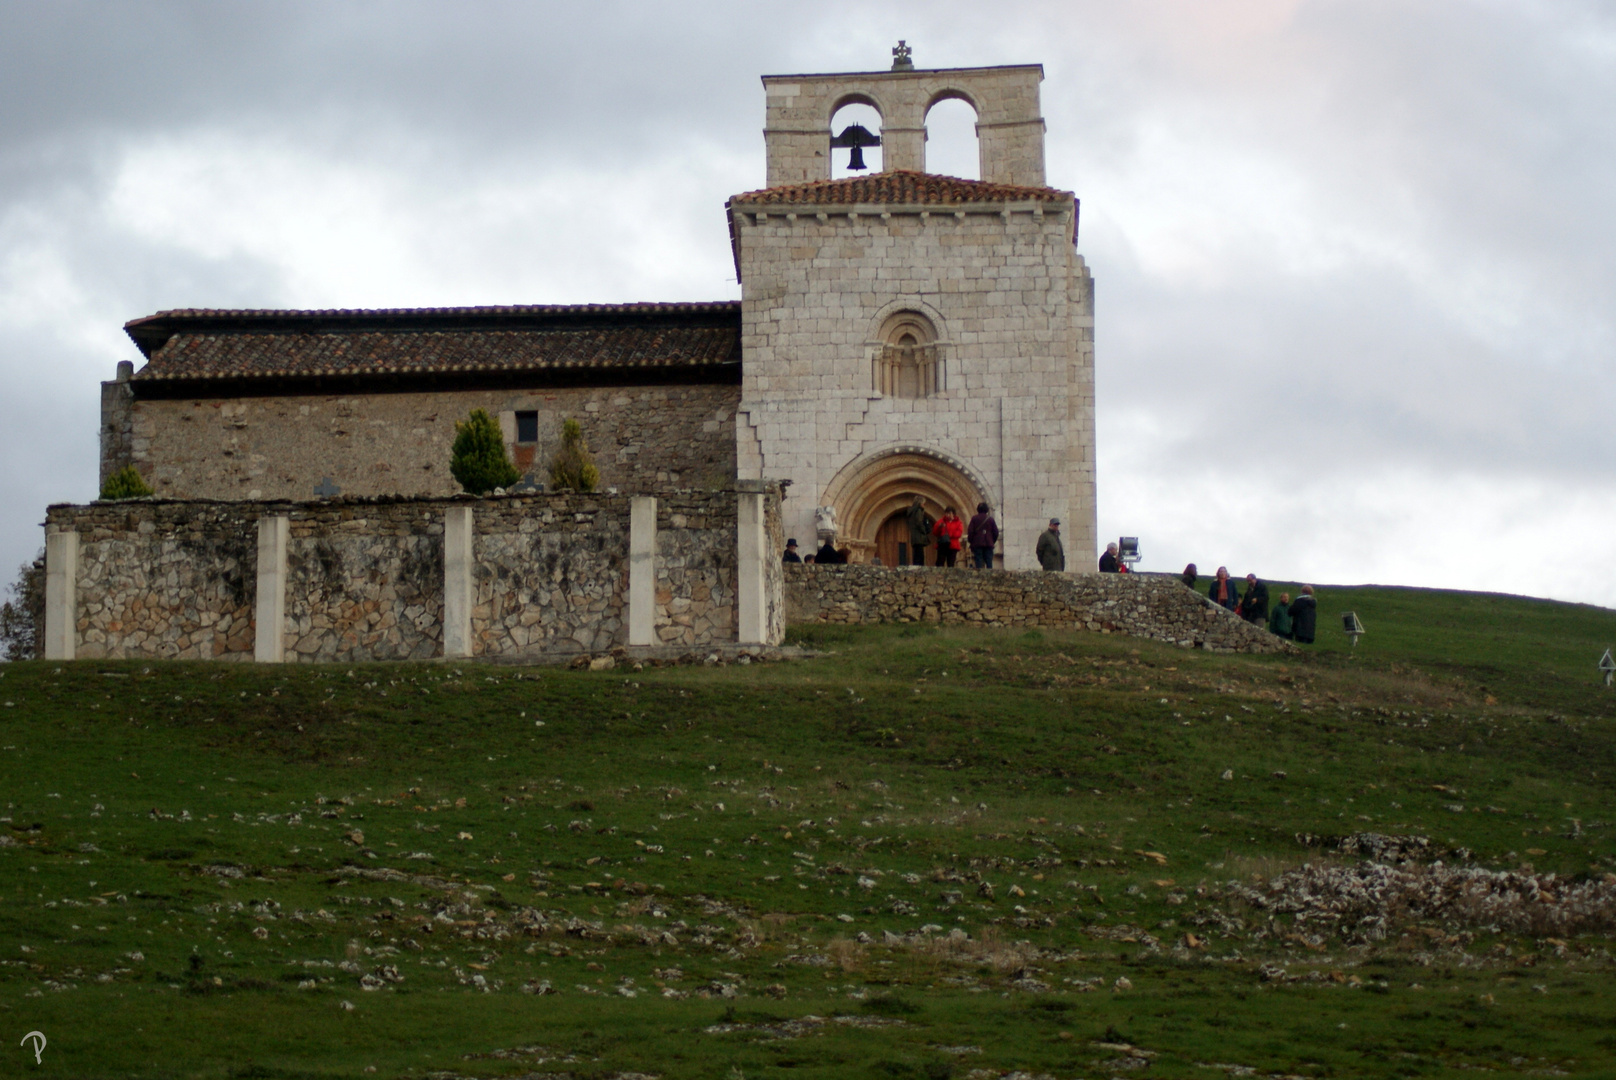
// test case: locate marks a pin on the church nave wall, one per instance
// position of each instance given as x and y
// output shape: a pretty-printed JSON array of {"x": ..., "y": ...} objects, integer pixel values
[{"x": 644, "y": 439}]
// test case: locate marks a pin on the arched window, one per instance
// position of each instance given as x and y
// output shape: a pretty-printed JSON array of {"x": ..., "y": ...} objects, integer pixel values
[
  {"x": 952, "y": 147},
  {"x": 907, "y": 362}
]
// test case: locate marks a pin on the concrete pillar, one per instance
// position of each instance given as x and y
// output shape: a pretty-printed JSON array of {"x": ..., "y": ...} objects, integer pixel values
[
  {"x": 457, "y": 566},
  {"x": 61, "y": 594},
  {"x": 642, "y": 570},
  {"x": 269, "y": 634},
  {"x": 750, "y": 593}
]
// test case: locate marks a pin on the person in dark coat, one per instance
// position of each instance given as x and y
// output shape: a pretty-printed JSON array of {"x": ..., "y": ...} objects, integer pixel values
[
  {"x": 1254, "y": 605},
  {"x": 920, "y": 526},
  {"x": 982, "y": 534},
  {"x": 1279, "y": 618},
  {"x": 791, "y": 553},
  {"x": 1108, "y": 561},
  {"x": 1050, "y": 551},
  {"x": 827, "y": 555},
  {"x": 1222, "y": 590},
  {"x": 1304, "y": 616},
  {"x": 1191, "y": 575}
]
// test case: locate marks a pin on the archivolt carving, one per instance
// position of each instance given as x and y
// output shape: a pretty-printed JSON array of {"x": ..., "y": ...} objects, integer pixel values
[{"x": 870, "y": 490}]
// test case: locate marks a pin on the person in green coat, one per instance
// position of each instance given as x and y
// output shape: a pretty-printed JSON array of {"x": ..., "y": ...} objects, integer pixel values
[
  {"x": 1051, "y": 553},
  {"x": 1279, "y": 619},
  {"x": 920, "y": 526}
]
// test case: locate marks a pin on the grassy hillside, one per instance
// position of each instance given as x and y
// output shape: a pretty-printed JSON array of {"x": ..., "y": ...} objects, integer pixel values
[{"x": 922, "y": 853}]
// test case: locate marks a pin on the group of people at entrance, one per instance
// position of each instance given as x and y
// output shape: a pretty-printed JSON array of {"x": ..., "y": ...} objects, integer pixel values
[
  {"x": 1296, "y": 619},
  {"x": 951, "y": 535}
]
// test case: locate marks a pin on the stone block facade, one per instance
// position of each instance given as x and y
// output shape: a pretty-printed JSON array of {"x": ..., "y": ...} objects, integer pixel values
[
  {"x": 365, "y": 579},
  {"x": 1159, "y": 608},
  {"x": 1011, "y": 303},
  {"x": 644, "y": 438}
]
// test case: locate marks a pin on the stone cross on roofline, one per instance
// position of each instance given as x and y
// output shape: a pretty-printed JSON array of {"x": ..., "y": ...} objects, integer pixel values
[{"x": 901, "y": 57}]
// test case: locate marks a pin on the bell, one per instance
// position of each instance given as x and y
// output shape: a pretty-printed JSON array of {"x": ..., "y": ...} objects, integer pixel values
[{"x": 855, "y": 138}]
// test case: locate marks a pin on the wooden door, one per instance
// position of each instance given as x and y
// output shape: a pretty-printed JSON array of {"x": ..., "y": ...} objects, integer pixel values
[{"x": 892, "y": 540}]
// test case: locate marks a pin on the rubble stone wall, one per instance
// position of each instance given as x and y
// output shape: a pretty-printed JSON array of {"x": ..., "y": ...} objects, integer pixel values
[
  {"x": 644, "y": 439},
  {"x": 696, "y": 565},
  {"x": 365, "y": 577},
  {"x": 167, "y": 580},
  {"x": 551, "y": 575},
  {"x": 1140, "y": 605},
  {"x": 364, "y": 581}
]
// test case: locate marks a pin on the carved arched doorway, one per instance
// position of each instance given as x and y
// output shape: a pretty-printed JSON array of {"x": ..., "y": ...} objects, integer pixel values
[{"x": 872, "y": 495}]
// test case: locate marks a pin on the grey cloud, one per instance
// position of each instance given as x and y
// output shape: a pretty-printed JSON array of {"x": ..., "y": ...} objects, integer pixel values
[{"x": 1461, "y": 155}]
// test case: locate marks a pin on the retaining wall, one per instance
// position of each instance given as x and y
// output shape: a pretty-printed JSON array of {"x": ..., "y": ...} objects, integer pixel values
[{"x": 1147, "y": 606}]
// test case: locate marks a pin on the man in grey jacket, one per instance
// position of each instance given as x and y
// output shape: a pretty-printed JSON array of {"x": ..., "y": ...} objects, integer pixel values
[{"x": 1051, "y": 554}]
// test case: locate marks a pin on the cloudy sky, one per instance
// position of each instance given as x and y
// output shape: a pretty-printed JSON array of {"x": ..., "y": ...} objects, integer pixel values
[{"x": 1356, "y": 260}]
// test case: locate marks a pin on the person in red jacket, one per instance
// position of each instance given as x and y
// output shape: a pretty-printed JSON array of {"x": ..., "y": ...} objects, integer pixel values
[{"x": 948, "y": 530}]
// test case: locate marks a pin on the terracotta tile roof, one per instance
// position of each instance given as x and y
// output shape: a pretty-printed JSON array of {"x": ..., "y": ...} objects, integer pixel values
[
  {"x": 193, "y": 345},
  {"x": 899, "y": 187}
]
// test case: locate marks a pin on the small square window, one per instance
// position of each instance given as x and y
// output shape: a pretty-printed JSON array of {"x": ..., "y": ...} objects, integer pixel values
[{"x": 527, "y": 427}]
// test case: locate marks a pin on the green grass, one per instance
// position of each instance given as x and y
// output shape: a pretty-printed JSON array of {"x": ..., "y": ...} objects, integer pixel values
[{"x": 688, "y": 857}]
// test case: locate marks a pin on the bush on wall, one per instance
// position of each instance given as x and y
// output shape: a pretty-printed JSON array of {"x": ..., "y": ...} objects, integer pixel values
[
  {"x": 572, "y": 468},
  {"x": 126, "y": 483},
  {"x": 478, "y": 458}
]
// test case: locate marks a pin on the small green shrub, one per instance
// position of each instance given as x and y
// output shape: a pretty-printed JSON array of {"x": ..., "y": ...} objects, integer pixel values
[
  {"x": 572, "y": 468},
  {"x": 126, "y": 483},
  {"x": 478, "y": 459},
  {"x": 888, "y": 1005}
]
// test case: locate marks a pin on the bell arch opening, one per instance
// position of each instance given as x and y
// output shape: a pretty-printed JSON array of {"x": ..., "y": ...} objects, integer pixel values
[
  {"x": 870, "y": 493},
  {"x": 855, "y": 121},
  {"x": 952, "y": 145}
]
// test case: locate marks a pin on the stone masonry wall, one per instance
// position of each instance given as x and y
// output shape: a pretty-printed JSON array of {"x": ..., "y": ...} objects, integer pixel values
[
  {"x": 644, "y": 439},
  {"x": 1010, "y": 126},
  {"x": 695, "y": 594},
  {"x": 364, "y": 581},
  {"x": 1147, "y": 606},
  {"x": 365, "y": 577},
  {"x": 551, "y": 575},
  {"x": 172, "y": 581},
  {"x": 1013, "y": 307}
]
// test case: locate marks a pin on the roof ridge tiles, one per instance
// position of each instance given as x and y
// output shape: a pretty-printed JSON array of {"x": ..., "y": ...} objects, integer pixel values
[
  {"x": 671, "y": 307},
  {"x": 900, "y": 186}
]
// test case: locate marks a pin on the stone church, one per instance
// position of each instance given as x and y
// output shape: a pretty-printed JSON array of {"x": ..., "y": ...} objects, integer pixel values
[{"x": 900, "y": 333}]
